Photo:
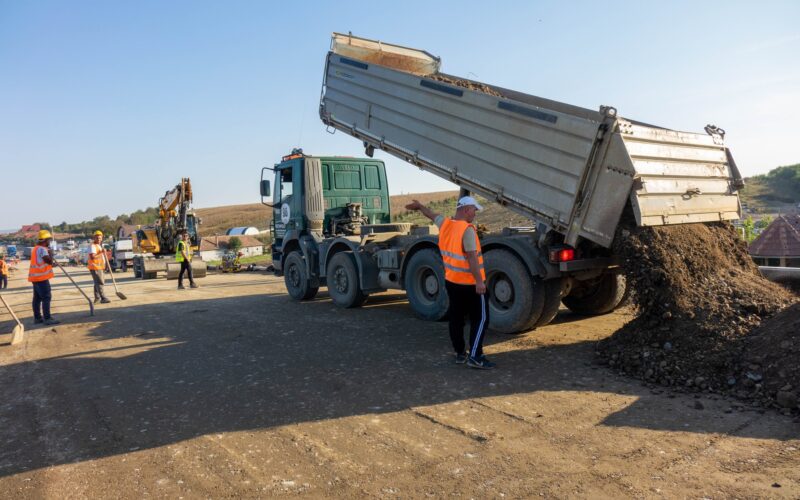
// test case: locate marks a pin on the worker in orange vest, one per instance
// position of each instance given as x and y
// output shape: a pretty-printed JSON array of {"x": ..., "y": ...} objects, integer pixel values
[
  {"x": 40, "y": 274},
  {"x": 465, "y": 278},
  {"x": 97, "y": 266},
  {"x": 3, "y": 273}
]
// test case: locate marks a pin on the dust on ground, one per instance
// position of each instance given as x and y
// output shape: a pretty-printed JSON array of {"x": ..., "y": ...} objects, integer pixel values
[
  {"x": 705, "y": 316},
  {"x": 234, "y": 390}
]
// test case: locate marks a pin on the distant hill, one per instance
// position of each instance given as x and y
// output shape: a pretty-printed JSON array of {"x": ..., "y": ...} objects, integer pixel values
[
  {"x": 776, "y": 191},
  {"x": 217, "y": 220}
]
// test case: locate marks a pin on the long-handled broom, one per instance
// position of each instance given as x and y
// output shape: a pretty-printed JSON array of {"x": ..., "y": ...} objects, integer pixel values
[
  {"x": 18, "y": 334},
  {"x": 108, "y": 265},
  {"x": 91, "y": 306}
]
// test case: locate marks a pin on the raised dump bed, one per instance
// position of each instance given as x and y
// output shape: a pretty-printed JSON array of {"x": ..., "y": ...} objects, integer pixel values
[{"x": 568, "y": 168}]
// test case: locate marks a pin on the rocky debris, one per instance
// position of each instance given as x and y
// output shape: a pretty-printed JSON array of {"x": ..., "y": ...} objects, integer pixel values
[
  {"x": 773, "y": 351},
  {"x": 467, "y": 84},
  {"x": 707, "y": 320}
]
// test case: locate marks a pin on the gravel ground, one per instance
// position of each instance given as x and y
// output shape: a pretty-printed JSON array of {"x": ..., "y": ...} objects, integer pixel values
[{"x": 233, "y": 390}]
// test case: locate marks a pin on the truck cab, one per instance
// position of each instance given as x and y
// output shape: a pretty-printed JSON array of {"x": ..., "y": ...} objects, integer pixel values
[{"x": 315, "y": 198}]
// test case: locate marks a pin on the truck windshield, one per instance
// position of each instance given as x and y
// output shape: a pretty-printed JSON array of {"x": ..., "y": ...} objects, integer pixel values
[{"x": 283, "y": 185}]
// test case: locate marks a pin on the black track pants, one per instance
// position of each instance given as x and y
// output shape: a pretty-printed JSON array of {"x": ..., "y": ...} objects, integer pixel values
[{"x": 464, "y": 302}]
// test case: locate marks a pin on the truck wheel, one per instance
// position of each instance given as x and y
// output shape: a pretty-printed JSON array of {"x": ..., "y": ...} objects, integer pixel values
[
  {"x": 296, "y": 278},
  {"x": 516, "y": 299},
  {"x": 424, "y": 284},
  {"x": 552, "y": 301},
  {"x": 343, "y": 283},
  {"x": 598, "y": 296}
]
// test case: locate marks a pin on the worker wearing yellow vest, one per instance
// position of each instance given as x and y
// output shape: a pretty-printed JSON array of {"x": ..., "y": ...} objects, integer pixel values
[
  {"x": 40, "y": 274},
  {"x": 3, "y": 272},
  {"x": 97, "y": 267},
  {"x": 183, "y": 254},
  {"x": 465, "y": 278}
]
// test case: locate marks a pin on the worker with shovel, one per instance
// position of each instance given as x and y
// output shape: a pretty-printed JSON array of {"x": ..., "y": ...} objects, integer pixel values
[
  {"x": 40, "y": 274},
  {"x": 97, "y": 266}
]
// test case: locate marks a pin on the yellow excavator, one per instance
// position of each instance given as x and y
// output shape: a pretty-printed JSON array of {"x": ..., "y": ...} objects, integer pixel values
[{"x": 154, "y": 246}]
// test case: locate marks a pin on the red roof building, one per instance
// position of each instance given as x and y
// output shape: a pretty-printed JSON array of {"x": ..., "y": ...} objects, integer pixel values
[
  {"x": 29, "y": 232},
  {"x": 779, "y": 244}
]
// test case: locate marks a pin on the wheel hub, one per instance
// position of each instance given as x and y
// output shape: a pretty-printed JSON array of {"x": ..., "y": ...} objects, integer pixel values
[
  {"x": 503, "y": 291},
  {"x": 431, "y": 284},
  {"x": 340, "y": 279},
  {"x": 294, "y": 276}
]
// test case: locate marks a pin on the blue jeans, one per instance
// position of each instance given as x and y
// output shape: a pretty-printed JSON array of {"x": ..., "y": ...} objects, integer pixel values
[{"x": 41, "y": 297}]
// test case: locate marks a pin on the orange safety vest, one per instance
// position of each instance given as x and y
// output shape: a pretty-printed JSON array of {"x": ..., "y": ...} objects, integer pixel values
[
  {"x": 3, "y": 268},
  {"x": 39, "y": 271},
  {"x": 97, "y": 263},
  {"x": 456, "y": 266}
]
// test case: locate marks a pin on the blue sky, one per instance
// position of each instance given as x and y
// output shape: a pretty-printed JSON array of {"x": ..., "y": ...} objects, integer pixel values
[{"x": 105, "y": 105}]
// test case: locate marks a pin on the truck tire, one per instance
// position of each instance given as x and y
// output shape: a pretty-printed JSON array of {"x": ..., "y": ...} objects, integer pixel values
[
  {"x": 598, "y": 296},
  {"x": 552, "y": 301},
  {"x": 296, "y": 278},
  {"x": 516, "y": 299},
  {"x": 424, "y": 284},
  {"x": 343, "y": 283}
]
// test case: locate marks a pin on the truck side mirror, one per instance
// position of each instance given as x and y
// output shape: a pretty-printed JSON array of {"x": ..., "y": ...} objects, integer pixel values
[{"x": 265, "y": 188}]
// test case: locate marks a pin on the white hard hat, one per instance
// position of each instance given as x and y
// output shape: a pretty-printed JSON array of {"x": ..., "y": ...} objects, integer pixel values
[{"x": 466, "y": 201}]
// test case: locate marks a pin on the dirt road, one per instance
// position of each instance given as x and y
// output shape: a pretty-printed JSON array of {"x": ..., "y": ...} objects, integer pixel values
[{"x": 234, "y": 390}]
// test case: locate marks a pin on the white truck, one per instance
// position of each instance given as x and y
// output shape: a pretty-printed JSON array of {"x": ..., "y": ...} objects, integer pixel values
[
  {"x": 571, "y": 171},
  {"x": 122, "y": 257}
]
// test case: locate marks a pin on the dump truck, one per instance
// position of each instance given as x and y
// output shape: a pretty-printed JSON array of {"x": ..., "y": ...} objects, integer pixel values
[{"x": 571, "y": 171}]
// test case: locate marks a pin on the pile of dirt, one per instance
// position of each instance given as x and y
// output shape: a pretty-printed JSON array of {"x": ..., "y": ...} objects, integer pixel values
[
  {"x": 772, "y": 358},
  {"x": 700, "y": 299},
  {"x": 467, "y": 84}
]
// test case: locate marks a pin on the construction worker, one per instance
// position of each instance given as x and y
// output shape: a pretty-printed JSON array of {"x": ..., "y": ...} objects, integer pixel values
[
  {"x": 183, "y": 254},
  {"x": 465, "y": 279},
  {"x": 3, "y": 273},
  {"x": 40, "y": 274},
  {"x": 97, "y": 266}
]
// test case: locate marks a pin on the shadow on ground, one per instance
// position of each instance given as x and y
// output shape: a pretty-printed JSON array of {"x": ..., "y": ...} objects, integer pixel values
[{"x": 153, "y": 375}]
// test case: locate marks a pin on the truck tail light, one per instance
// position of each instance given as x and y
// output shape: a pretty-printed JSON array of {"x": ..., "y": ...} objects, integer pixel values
[{"x": 562, "y": 255}]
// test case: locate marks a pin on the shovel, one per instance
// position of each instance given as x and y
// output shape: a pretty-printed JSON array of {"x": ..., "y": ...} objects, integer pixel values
[
  {"x": 18, "y": 334},
  {"x": 91, "y": 306},
  {"x": 119, "y": 294}
]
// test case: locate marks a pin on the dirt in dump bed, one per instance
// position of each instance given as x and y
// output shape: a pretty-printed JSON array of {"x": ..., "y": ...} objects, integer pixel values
[
  {"x": 467, "y": 84},
  {"x": 701, "y": 300}
]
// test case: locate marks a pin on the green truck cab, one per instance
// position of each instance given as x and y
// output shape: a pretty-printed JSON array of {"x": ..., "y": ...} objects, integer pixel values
[
  {"x": 322, "y": 193},
  {"x": 332, "y": 227}
]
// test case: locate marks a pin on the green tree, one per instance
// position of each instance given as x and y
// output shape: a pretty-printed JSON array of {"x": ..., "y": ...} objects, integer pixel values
[
  {"x": 234, "y": 243},
  {"x": 764, "y": 222},
  {"x": 749, "y": 229}
]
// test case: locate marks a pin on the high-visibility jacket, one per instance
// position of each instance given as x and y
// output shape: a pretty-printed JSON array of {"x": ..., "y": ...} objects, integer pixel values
[
  {"x": 39, "y": 271},
  {"x": 97, "y": 263},
  {"x": 182, "y": 248},
  {"x": 3, "y": 268},
  {"x": 456, "y": 266}
]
